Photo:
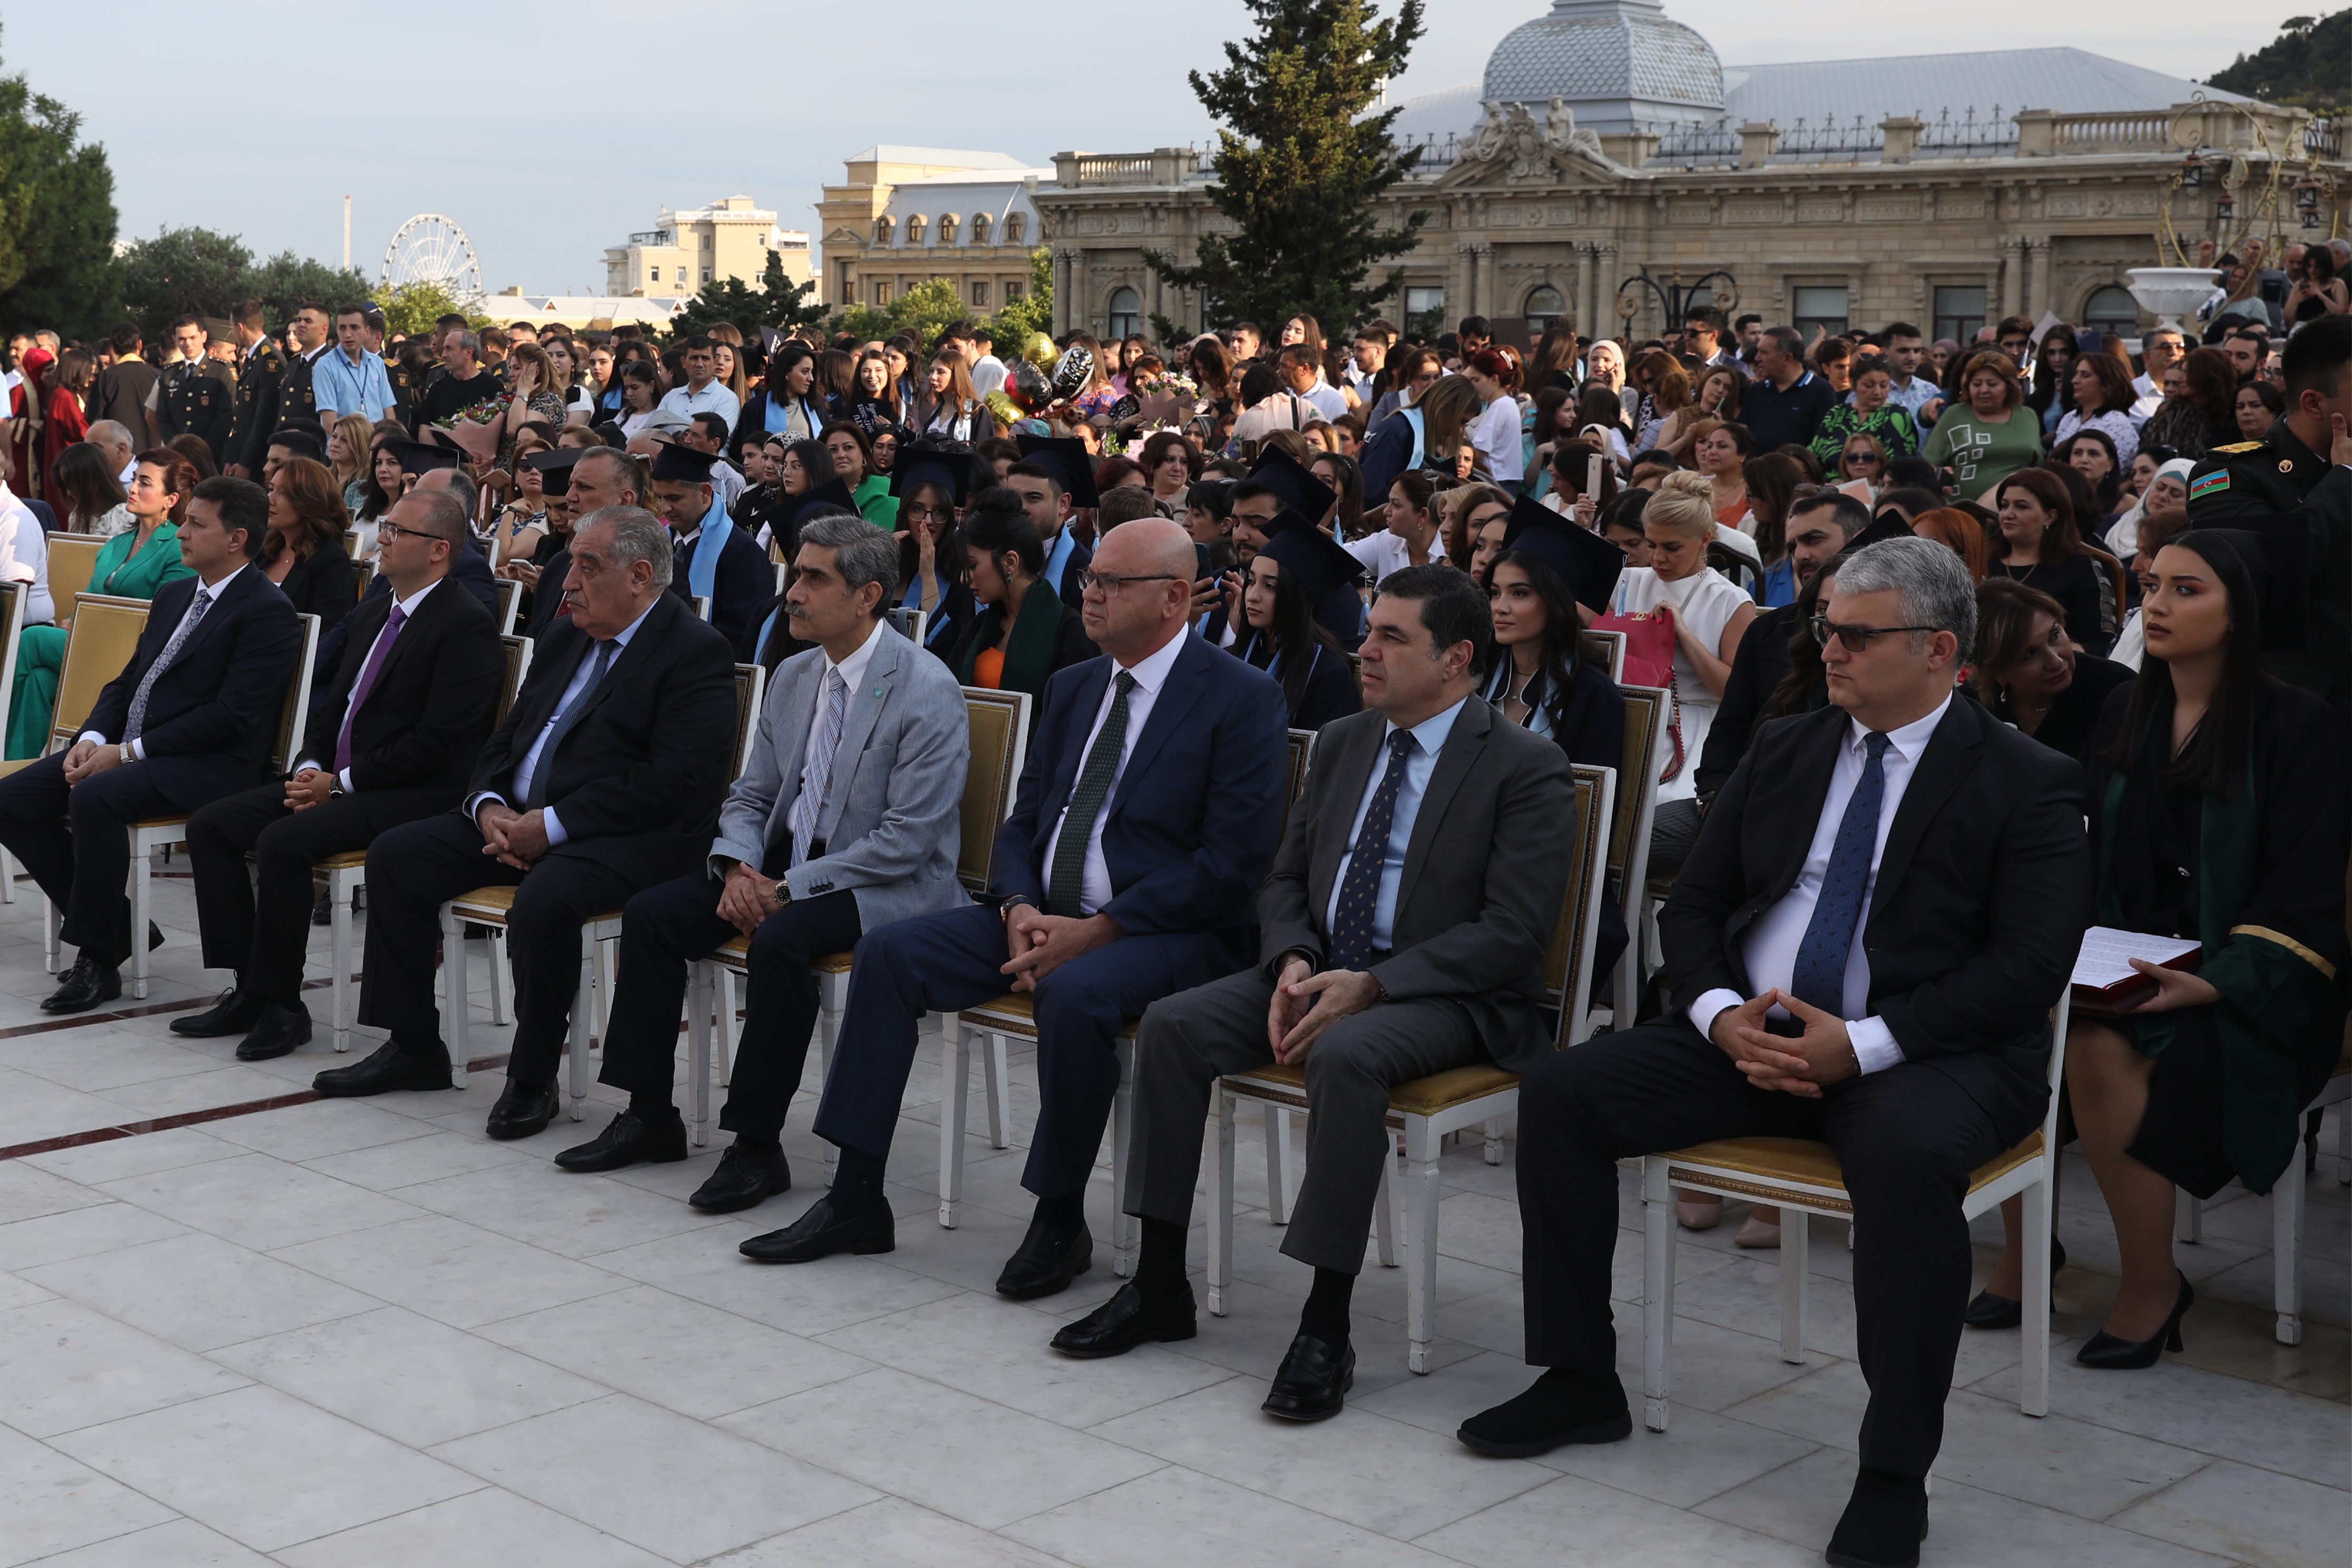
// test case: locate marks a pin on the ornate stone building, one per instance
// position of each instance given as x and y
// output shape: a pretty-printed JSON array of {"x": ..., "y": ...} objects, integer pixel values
[
  {"x": 1608, "y": 141},
  {"x": 908, "y": 213}
]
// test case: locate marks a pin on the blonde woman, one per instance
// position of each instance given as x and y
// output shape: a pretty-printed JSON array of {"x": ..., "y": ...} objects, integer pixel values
[
  {"x": 350, "y": 441},
  {"x": 570, "y": 379},
  {"x": 727, "y": 346}
]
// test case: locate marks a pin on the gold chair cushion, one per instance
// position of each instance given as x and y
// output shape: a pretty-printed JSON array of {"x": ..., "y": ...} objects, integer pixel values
[
  {"x": 486, "y": 906},
  {"x": 8, "y": 768},
  {"x": 832, "y": 964},
  {"x": 1801, "y": 1160},
  {"x": 735, "y": 952},
  {"x": 164, "y": 822},
  {"x": 1015, "y": 1013},
  {"x": 349, "y": 860},
  {"x": 1418, "y": 1097}
]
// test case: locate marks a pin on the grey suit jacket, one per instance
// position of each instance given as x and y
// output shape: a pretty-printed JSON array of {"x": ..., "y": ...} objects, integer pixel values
[
  {"x": 1486, "y": 871},
  {"x": 892, "y": 823}
]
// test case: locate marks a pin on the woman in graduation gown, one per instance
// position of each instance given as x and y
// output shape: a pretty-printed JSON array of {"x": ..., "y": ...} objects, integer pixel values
[
  {"x": 1298, "y": 566},
  {"x": 2219, "y": 812},
  {"x": 1019, "y": 637}
]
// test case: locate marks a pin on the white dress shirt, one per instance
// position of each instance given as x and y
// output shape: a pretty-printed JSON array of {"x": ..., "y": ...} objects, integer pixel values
[
  {"x": 572, "y": 688},
  {"x": 1150, "y": 675},
  {"x": 24, "y": 558},
  {"x": 852, "y": 670},
  {"x": 1429, "y": 738},
  {"x": 1769, "y": 950},
  {"x": 407, "y": 608},
  {"x": 1380, "y": 552},
  {"x": 714, "y": 398},
  {"x": 212, "y": 594}
]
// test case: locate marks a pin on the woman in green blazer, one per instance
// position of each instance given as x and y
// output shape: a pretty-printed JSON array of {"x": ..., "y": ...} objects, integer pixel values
[{"x": 853, "y": 464}]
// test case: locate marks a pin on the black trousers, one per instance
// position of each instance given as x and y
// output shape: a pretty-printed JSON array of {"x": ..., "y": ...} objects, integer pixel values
[
  {"x": 1907, "y": 1136},
  {"x": 76, "y": 841},
  {"x": 669, "y": 927},
  {"x": 414, "y": 869},
  {"x": 262, "y": 928}
]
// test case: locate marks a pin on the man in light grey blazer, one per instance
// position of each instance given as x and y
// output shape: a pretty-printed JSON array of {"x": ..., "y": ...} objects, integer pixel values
[
  {"x": 1422, "y": 953},
  {"x": 847, "y": 817}
]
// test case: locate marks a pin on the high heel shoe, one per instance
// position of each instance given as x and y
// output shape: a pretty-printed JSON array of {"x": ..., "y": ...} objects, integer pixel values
[
  {"x": 1991, "y": 1311},
  {"x": 2108, "y": 1353}
]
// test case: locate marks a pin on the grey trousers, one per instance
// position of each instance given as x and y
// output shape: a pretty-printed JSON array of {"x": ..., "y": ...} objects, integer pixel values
[{"x": 1189, "y": 1040}]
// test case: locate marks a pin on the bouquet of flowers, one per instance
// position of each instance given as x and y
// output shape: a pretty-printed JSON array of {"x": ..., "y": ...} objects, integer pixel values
[{"x": 476, "y": 429}]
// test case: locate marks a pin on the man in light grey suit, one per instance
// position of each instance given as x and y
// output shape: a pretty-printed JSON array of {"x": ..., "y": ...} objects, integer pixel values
[
  {"x": 847, "y": 817},
  {"x": 1422, "y": 954}
]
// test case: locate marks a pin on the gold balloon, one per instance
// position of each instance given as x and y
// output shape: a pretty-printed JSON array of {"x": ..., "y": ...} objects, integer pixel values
[{"x": 1039, "y": 351}]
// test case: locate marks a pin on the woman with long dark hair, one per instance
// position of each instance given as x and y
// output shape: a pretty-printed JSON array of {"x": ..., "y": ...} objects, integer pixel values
[
  {"x": 2041, "y": 547},
  {"x": 873, "y": 400},
  {"x": 304, "y": 553},
  {"x": 931, "y": 576},
  {"x": 1019, "y": 635},
  {"x": 1346, "y": 478},
  {"x": 951, "y": 409},
  {"x": 791, "y": 404},
  {"x": 2028, "y": 672},
  {"x": 2204, "y": 415},
  {"x": 1549, "y": 676},
  {"x": 89, "y": 498},
  {"x": 2091, "y": 452},
  {"x": 1771, "y": 478},
  {"x": 1292, "y": 571}
]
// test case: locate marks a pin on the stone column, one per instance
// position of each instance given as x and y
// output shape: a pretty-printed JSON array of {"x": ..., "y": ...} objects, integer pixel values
[
  {"x": 2038, "y": 299},
  {"x": 2012, "y": 276},
  {"x": 1583, "y": 299},
  {"x": 1081, "y": 287},
  {"x": 1481, "y": 279},
  {"x": 1605, "y": 322}
]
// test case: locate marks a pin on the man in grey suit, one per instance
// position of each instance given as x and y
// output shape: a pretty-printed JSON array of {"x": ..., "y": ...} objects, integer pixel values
[
  {"x": 1375, "y": 969},
  {"x": 847, "y": 817}
]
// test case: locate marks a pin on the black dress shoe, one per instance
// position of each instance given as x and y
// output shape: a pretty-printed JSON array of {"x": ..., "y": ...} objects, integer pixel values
[
  {"x": 628, "y": 1139},
  {"x": 817, "y": 1234},
  {"x": 281, "y": 1027},
  {"x": 1312, "y": 1382},
  {"x": 1046, "y": 1262},
  {"x": 235, "y": 1013},
  {"x": 391, "y": 1068},
  {"x": 1991, "y": 1311},
  {"x": 322, "y": 914},
  {"x": 1883, "y": 1522},
  {"x": 2109, "y": 1353},
  {"x": 748, "y": 1175},
  {"x": 1557, "y": 1408},
  {"x": 84, "y": 986},
  {"x": 1128, "y": 1320},
  {"x": 522, "y": 1110}
]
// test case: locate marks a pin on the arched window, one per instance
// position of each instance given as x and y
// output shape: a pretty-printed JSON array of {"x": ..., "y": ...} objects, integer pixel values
[
  {"x": 947, "y": 228},
  {"x": 1126, "y": 312},
  {"x": 881, "y": 231},
  {"x": 980, "y": 228},
  {"x": 915, "y": 229},
  {"x": 1544, "y": 305},
  {"x": 2112, "y": 310},
  {"x": 1014, "y": 223}
]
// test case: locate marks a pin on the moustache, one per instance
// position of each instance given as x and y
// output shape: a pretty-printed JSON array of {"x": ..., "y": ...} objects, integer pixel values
[{"x": 795, "y": 611}]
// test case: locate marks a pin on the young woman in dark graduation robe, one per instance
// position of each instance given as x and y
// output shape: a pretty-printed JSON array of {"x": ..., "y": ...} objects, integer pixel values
[
  {"x": 1018, "y": 638},
  {"x": 1297, "y": 567}
]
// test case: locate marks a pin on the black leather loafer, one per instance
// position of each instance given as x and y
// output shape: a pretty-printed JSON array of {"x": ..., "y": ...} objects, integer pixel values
[
  {"x": 391, "y": 1068},
  {"x": 523, "y": 1111},
  {"x": 1312, "y": 1382},
  {"x": 1883, "y": 1522},
  {"x": 1988, "y": 1311},
  {"x": 86, "y": 984},
  {"x": 817, "y": 1234},
  {"x": 1046, "y": 1262},
  {"x": 747, "y": 1177},
  {"x": 281, "y": 1029},
  {"x": 628, "y": 1139},
  {"x": 1129, "y": 1319},
  {"x": 235, "y": 1013},
  {"x": 1557, "y": 1409}
]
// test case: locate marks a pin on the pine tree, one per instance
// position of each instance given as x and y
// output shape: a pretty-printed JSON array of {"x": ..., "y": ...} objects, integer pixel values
[
  {"x": 56, "y": 219},
  {"x": 1300, "y": 163},
  {"x": 779, "y": 303}
]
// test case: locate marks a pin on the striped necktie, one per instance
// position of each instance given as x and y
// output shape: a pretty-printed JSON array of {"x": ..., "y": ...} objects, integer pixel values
[
  {"x": 817, "y": 773},
  {"x": 137, "y": 720}
]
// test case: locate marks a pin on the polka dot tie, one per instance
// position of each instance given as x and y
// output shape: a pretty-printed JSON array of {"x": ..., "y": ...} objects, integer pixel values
[
  {"x": 1068, "y": 886},
  {"x": 1819, "y": 974},
  {"x": 1360, "y": 889}
]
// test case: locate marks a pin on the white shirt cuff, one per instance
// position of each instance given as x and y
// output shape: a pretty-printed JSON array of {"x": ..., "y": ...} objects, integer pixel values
[
  {"x": 555, "y": 834},
  {"x": 473, "y": 804},
  {"x": 307, "y": 762},
  {"x": 1702, "y": 1011},
  {"x": 1873, "y": 1043},
  {"x": 344, "y": 778},
  {"x": 90, "y": 735}
]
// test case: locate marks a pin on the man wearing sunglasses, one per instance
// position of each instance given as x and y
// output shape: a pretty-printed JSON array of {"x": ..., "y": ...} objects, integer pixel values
[{"x": 1865, "y": 945}]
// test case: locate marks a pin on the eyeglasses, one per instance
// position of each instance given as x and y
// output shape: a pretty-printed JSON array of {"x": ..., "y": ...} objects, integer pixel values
[
  {"x": 386, "y": 531},
  {"x": 1109, "y": 586},
  {"x": 1855, "y": 638},
  {"x": 1853, "y": 457},
  {"x": 930, "y": 513}
]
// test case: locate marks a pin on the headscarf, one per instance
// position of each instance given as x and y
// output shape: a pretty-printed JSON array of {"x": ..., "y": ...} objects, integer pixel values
[{"x": 2123, "y": 539}]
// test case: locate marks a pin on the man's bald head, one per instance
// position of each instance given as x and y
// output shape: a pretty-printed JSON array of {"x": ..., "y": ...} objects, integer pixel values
[
  {"x": 112, "y": 438},
  {"x": 1152, "y": 559},
  {"x": 454, "y": 482}
]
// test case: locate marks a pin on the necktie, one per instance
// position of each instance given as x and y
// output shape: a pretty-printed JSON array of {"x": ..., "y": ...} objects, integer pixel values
[
  {"x": 137, "y": 720},
  {"x": 367, "y": 684},
  {"x": 1360, "y": 889},
  {"x": 1818, "y": 976},
  {"x": 535, "y": 794},
  {"x": 1086, "y": 804},
  {"x": 816, "y": 773}
]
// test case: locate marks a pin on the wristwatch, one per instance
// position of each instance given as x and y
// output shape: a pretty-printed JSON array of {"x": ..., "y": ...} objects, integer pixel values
[
  {"x": 781, "y": 892},
  {"x": 335, "y": 785},
  {"x": 122, "y": 757},
  {"x": 1004, "y": 911}
]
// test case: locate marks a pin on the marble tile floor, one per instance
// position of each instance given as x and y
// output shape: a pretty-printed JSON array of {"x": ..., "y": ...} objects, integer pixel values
[{"x": 357, "y": 1334}]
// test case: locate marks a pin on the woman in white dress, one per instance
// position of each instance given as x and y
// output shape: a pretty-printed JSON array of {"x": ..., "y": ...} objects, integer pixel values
[{"x": 1709, "y": 616}]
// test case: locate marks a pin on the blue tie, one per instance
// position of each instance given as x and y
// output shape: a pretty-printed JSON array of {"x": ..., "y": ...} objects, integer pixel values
[
  {"x": 1360, "y": 889},
  {"x": 1818, "y": 977}
]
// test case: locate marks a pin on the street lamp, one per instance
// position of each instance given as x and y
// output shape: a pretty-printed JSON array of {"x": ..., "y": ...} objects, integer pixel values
[{"x": 1676, "y": 296}]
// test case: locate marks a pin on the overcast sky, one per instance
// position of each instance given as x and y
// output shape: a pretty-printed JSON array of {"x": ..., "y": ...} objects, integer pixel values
[{"x": 549, "y": 132}]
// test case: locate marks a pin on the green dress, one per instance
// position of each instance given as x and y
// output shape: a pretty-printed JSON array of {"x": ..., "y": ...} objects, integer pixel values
[
  {"x": 41, "y": 655},
  {"x": 875, "y": 502}
]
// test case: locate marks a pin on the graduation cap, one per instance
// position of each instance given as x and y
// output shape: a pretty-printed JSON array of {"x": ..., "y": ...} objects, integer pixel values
[
  {"x": 682, "y": 464},
  {"x": 1065, "y": 456},
  {"x": 556, "y": 467},
  {"x": 833, "y": 491},
  {"x": 1888, "y": 525},
  {"x": 1311, "y": 555},
  {"x": 949, "y": 468},
  {"x": 1588, "y": 566},
  {"x": 425, "y": 456},
  {"x": 2275, "y": 550},
  {"x": 1288, "y": 478}
]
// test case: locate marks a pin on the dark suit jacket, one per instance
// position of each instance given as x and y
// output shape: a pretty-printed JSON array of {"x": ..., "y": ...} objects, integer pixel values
[
  {"x": 323, "y": 585},
  {"x": 743, "y": 592},
  {"x": 653, "y": 755},
  {"x": 1983, "y": 892},
  {"x": 212, "y": 719},
  {"x": 1756, "y": 673},
  {"x": 1486, "y": 871},
  {"x": 1191, "y": 830},
  {"x": 433, "y": 703},
  {"x": 471, "y": 572}
]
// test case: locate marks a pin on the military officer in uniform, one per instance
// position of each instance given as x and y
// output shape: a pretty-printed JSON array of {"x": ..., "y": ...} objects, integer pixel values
[
  {"x": 191, "y": 400},
  {"x": 2302, "y": 469},
  {"x": 295, "y": 398},
  {"x": 261, "y": 374}
]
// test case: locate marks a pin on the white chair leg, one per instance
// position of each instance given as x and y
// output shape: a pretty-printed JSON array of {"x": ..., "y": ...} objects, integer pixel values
[
  {"x": 2286, "y": 1249},
  {"x": 832, "y": 1002},
  {"x": 7, "y": 878},
  {"x": 456, "y": 1015},
  {"x": 1277, "y": 1163},
  {"x": 142, "y": 886},
  {"x": 52, "y": 955},
  {"x": 582, "y": 1000},
  {"x": 606, "y": 955},
  {"x": 998, "y": 1066},
  {"x": 1657, "y": 1292},
  {"x": 955, "y": 1057},
  {"x": 723, "y": 1015},
  {"x": 2033, "y": 1228},
  {"x": 1495, "y": 1142},
  {"x": 1421, "y": 1242},
  {"x": 1385, "y": 1214},
  {"x": 697, "y": 1045},
  {"x": 499, "y": 978},
  {"x": 2188, "y": 1217},
  {"x": 339, "y": 905},
  {"x": 1221, "y": 1199},
  {"x": 1796, "y": 1282},
  {"x": 1122, "y": 1138}
]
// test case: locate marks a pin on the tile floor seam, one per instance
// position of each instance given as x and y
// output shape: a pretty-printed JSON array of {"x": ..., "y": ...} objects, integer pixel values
[
  {"x": 2182, "y": 1479},
  {"x": 1160, "y": 1465}
]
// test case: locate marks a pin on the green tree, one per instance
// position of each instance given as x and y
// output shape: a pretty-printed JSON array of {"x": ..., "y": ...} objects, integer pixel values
[
  {"x": 1032, "y": 313},
  {"x": 2309, "y": 67},
  {"x": 56, "y": 219},
  {"x": 183, "y": 272},
  {"x": 777, "y": 302},
  {"x": 922, "y": 310},
  {"x": 285, "y": 280},
  {"x": 1299, "y": 165},
  {"x": 411, "y": 309}
]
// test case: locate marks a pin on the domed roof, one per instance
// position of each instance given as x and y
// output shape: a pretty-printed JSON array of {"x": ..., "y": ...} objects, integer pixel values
[{"x": 1614, "y": 52}]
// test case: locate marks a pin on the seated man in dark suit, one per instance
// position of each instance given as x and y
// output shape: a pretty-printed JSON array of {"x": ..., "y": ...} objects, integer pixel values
[
  {"x": 847, "y": 817},
  {"x": 1424, "y": 953},
  {"x": 191, "y": 718},
  {"x": 716, "y": 560},
  {"x": 393, "y": 737},
  {"x": 1146, "y": 818},
  {"x": 1885, "y": 901},
  {"x": 436, "y": 471},
  {"x": 606, "y": 779}
]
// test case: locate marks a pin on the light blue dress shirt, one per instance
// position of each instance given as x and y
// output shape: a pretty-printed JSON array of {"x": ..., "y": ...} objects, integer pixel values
[
  {"x": 342, "y": 387},
  {"x": 573, "y": 687},
  {"x": 1429, "y": 738}
]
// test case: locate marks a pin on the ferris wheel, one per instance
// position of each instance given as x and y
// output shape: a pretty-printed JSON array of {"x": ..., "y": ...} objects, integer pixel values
[{"x": 430, "y": 249}]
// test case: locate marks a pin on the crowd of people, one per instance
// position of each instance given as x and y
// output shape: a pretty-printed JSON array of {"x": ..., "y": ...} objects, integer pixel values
[{"x": 1967, "y": 647}]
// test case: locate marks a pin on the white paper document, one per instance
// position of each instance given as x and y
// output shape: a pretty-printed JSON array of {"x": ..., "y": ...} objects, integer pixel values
[{"x": 2106, "y": 954}]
